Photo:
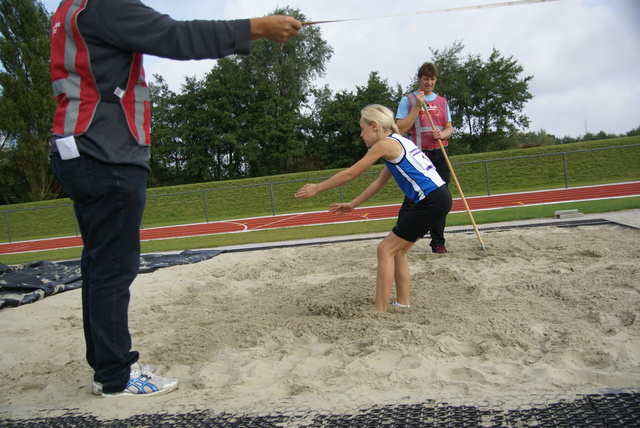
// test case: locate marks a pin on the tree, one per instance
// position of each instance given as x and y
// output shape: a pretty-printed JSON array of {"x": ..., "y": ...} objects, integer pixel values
[
  {"x": 245, "y": 117},
  {"x": 191, "y": 131},
  {"x": 486, "y": 98},
  {"x": 634, "y": 132},
  {"x": 281, "y": 77},
  {"x": 12, "y": 183},
  {"x": 166, "y": 149},
  {"x": 532, "y": 139},
  {"x": 26, "y": 101},
  {"x": 229, "y": 113},
  {"x": 335, "y": 140}
]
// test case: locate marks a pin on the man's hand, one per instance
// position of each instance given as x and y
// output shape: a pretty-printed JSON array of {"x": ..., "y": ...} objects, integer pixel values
[
  {"x": 419, "y": 100},
  {"x": 278, "y": 28}
]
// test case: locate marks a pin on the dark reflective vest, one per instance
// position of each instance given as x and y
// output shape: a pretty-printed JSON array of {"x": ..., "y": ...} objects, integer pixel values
[{"x": 74, "y": 85}]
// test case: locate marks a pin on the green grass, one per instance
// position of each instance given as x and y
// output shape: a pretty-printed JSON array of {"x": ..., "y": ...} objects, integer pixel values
[
  {"x": 608, "y": 161},
  {"x": 309, "y": 232}
]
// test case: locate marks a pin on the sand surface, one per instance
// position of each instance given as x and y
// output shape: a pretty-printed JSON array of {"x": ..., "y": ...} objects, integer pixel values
[{"x": 545, "y": 310}]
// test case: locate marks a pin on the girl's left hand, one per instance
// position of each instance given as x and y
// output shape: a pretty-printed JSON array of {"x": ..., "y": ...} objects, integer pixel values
[
  {"x": 340, "y": 208},
  {"x": 308, "y": 191}
]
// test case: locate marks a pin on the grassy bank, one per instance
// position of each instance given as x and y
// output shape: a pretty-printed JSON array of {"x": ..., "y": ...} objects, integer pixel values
[
  {"x": 588, "y": 163},
  {"x": 310, "y": 232}
]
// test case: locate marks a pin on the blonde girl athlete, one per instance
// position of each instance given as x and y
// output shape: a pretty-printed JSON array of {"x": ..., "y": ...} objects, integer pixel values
[{"x": 418, "y": 179}]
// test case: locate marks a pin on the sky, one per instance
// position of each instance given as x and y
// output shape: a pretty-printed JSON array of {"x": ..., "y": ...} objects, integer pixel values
[{"x": 584, "y": 55}]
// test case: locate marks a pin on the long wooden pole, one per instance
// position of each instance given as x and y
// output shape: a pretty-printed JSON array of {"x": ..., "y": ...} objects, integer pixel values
[{"x": 453, "y": 174}]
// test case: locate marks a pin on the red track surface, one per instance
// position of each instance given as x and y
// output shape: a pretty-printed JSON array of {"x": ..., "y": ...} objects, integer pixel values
[{"x": 361, "y": 214}]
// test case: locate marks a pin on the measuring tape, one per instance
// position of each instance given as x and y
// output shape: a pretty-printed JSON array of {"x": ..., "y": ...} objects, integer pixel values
[{"x": 454, "y": 9}]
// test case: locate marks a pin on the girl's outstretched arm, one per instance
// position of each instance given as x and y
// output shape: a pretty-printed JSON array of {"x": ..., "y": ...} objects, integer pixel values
[
  {"x": 366, "y": 194},
  {"x": 345, "y": 176}
]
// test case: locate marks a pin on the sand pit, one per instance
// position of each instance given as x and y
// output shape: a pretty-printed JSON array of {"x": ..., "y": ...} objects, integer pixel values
[{"x": 546, "y": 310}]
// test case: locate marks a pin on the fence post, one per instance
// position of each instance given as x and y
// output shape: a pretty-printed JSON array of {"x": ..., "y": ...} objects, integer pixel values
[
  {"x": 486, "y": 174},
  {"x": 273, "y": 204},
  {"x": 566, "y": 174},
  {"x": 6, "y": 216},
  {"x": 206, "y": 209}
]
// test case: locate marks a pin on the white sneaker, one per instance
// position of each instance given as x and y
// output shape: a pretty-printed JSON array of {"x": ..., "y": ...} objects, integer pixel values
[
  {"x": 143, "y": 382},
  {"x": 96, "y": 388},
  {"x": 401, "y": 306}
]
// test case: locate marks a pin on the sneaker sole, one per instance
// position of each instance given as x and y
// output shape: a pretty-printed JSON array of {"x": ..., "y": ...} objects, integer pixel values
[{"x": 148, "y": 394}]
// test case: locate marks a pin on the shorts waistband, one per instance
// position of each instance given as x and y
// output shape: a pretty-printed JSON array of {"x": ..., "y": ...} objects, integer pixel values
[{"x": 433, "y": 149}]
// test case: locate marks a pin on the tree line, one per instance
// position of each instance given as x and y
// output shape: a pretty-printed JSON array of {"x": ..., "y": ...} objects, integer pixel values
[{"x": 253, "y": 115}]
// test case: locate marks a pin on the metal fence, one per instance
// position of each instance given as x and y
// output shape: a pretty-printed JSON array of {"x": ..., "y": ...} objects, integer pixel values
[{"x": 563, "y": 174}]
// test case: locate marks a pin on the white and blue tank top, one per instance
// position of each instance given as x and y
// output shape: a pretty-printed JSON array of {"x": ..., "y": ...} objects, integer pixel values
[{"x": 413, "y": 171}]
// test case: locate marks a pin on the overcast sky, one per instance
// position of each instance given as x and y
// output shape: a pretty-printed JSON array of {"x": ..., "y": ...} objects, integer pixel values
[{"x": 584, "y": 55}]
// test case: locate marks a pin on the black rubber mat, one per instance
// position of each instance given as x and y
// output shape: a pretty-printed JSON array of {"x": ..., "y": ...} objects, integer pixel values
[{"x": 619, "y": 410}]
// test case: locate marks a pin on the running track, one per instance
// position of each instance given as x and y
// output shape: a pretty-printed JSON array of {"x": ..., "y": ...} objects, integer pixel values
[{"x": 476, "y": 203}]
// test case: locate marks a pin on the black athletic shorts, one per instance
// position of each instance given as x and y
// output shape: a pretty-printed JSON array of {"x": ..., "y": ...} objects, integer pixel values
[{"x": 415, "y": 220}]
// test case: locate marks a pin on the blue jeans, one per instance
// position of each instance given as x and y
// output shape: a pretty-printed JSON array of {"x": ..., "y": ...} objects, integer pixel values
[{"x": 108, "y": 201}]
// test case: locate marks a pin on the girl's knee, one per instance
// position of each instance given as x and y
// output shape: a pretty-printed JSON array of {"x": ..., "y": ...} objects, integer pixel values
[
  {"x": 385, "y": 249},
  {"x": 382, "y": 252},
  {"x": 392, "y": 244}
]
